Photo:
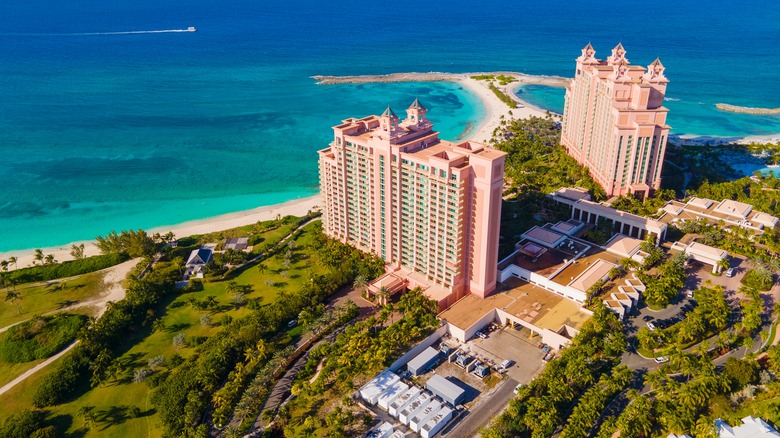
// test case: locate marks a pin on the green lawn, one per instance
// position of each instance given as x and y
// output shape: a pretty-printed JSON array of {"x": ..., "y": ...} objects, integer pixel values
[
  {"x": 179, "y": 316},
  {"x": 39, "y": 298},
  {"x": 10, "y": 371}
]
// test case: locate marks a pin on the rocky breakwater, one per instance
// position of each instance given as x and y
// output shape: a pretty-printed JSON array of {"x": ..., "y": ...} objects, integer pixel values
[{"x": 745, "y": 109}]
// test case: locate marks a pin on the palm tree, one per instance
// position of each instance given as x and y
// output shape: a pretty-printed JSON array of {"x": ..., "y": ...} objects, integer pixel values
[
  {"x": 13, "y": 260},
  {"x": 232, "y": 288},
  {"x": 655, "y": 378},
  {"x": 13, "y": 296},
  {"x": 705, "y": 428},
  {"x": 77, "y": 251},
  {"x": 86, "y": 412},
  {"x": 210, "y": 302},
  {"x": 49, "y": 259},
  {"x": 722, "y": 264},
  {"x": 628, "y": 264},
  {"x": 382, "y": 295},
  {"x": 360, "y": 283},
  {"x": 38, "y": 256},
  {"x": 158, "y": 325}
]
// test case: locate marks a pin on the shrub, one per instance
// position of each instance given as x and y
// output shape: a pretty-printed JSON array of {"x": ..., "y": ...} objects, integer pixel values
[
  {"x": 57, "y": 387},
  {"x": 156, "y": 379},
  {"x": 140, "y": 375},
  {"x": 741, "y": 372},
  {"x": 194, "y": 341},
  {"x": 759, "y": 279},
  {"x": 23, "y": 425},
  {"x": 40, "y": 337},
  {"x": 175, "y": 360},
  {"x": 179, "y": 340},
  {"x": 67, "y": 269}
]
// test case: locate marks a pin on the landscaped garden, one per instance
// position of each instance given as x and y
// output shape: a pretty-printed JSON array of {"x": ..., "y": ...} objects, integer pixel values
[{"x": 186, "y": 343}]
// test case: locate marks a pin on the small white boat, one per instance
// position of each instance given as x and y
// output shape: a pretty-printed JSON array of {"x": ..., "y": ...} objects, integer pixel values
[{"x": 192, "y": 29}]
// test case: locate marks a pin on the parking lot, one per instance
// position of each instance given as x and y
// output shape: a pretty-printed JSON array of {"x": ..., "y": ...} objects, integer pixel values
[{"x": 515, "y": 345}]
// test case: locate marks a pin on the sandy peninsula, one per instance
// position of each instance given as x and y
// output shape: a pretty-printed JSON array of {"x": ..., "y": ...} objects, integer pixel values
[
  {"x": 495, "y": 112},
  {"x": 495, "y": 109}
]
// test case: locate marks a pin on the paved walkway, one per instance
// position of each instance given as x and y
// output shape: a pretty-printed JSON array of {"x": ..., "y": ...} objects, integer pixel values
[{"x": 35, "y": 369}]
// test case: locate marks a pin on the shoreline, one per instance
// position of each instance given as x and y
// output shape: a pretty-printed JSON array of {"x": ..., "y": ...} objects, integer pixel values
[
  {"x": 482, "y": 131},
  {"x": 712, "y": 140},
  {"x": 295, "y": 207},
  {"x": 495, "y": 109}
]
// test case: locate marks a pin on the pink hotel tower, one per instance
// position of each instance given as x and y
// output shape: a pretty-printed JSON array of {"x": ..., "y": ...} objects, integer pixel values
[
  {"x": 614, "y": 122},
  {"x": 430, "y": 208}
]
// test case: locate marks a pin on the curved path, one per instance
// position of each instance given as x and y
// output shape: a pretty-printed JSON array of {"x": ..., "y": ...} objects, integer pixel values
[
  {"x": 36, "y": 368},
  {"x": 116, "y": 291}
]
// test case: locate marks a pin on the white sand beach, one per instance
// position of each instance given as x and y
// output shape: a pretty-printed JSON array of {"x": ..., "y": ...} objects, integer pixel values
[
  {"x": 710, "y": 140},
  {"x": 494, "y": 110},
  {"x": 494, "y": 107},
  {"x": 297, "y": 207}
]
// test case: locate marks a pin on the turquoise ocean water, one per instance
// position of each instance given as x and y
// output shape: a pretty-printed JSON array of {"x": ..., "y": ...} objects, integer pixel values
[{"x": 102, "y": 132}]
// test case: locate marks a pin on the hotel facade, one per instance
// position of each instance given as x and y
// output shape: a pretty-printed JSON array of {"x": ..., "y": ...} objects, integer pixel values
[
  {"x": 430, "y": 208},
  {"x": 614, "y": 122}
]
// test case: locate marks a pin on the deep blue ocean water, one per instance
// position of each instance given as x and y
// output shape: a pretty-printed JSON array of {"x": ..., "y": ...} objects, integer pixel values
[{"x": 109, "y": 132}]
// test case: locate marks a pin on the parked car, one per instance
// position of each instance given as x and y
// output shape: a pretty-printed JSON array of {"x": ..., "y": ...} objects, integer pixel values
[
  {"x": 730, "y": 272},
  {"x": 546, "y": 349},
  {"x": 648, "y": 318},
  {"x": 517, "y": 388},
  {"x": 548, "y": 357},
  {"x": 481, "y": 335},
  {"x": 292, "y": 323},
  {"x": 507, "y": 363},
  {"x": 689, "y": 294},
  {"x": 661, "y": 359},
  {"x": 651, "y": 326}
]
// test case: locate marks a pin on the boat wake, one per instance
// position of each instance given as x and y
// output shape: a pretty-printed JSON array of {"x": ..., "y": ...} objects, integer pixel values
[{"x": 130, "y": 32}]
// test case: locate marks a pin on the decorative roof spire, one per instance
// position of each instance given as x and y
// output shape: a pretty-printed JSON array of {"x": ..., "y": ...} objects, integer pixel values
[
  {"x": 416, "y": 104},
  {"x": 389, "y": 113},
  {"x": 655, "y": 71},
  {"x": 588, "y": 49},
  {"x": 415, "y": 116},
  {"x": 618, "y": 54},
  {"x": 588, "y": 55}
]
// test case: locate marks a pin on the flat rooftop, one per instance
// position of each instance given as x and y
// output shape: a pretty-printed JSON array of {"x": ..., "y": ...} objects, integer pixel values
[
  {"x": 471, "y": 308},
  {"x": 525, "y": 301}
]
